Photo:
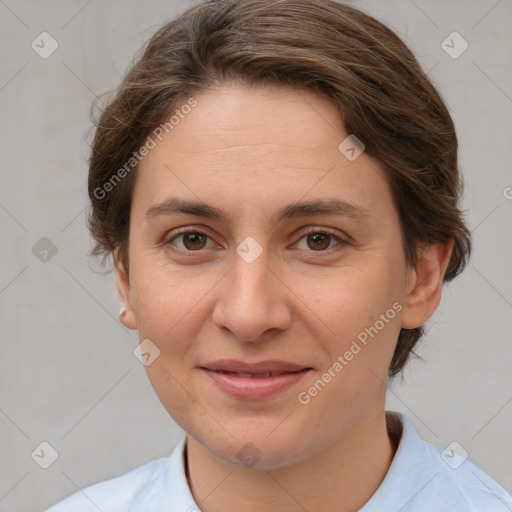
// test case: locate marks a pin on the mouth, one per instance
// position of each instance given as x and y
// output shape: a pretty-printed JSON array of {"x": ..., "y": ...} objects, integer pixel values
[
  {"x": 252, "y": 375},
  {"x": 254, "y": 381}
]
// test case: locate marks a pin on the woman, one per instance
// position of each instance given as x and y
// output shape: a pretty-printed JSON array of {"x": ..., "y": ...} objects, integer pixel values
[{"x": 277, "y": 183}]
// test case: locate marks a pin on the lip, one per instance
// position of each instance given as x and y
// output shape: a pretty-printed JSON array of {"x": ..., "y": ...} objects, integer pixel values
[{"x": 254, "y": 388}]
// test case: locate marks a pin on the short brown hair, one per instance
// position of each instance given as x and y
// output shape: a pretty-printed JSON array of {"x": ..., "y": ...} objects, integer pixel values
[{"x": 322, "y": 46}]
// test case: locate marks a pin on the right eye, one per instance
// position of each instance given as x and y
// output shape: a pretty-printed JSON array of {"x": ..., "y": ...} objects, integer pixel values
[{"x": 193, "y": 240}]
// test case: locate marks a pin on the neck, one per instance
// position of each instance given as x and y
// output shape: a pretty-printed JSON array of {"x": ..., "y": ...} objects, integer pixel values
[{"x": 341, "y": 478}]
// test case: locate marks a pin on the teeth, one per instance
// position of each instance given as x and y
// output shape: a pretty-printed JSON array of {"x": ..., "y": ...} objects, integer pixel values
[
  {"x": 254, "y": 375},
  {"x": 262, "y": 375}
]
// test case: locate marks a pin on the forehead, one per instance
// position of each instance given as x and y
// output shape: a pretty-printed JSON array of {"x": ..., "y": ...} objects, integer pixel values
[
  {"x": 257, "y": 146},
  {"x": 247, "y": 118}
]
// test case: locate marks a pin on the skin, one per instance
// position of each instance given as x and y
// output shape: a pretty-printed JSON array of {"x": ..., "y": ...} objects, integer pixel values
[{"x": 249, "y": 152}]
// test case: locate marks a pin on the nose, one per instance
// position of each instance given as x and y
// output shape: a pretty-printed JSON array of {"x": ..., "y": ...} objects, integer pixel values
[{"x": 253, "y": 300}]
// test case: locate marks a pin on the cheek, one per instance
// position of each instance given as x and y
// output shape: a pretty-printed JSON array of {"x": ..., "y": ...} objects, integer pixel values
[
  {"x": 361, "y": 308},
  {"x": 356, "y": 296},
  {"x": 170, "y": 311},
  {"x": 159, "y": 296},
  {"x": 364, "y": 315},
  {"x": 171, "y": 387}
]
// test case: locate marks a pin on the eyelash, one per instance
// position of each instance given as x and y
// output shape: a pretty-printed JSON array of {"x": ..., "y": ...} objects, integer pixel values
[{"x": 309, "y": 231}]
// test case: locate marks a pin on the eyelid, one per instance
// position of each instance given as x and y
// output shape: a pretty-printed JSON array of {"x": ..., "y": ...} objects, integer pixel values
[
  {"x": 342, "y": 240},
  {"x": 326, "y": 231},
  {"x": 185, "y": 230}
]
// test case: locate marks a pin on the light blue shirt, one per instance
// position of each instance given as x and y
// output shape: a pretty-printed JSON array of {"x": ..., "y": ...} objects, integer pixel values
[{"x": 421, "y": 478}]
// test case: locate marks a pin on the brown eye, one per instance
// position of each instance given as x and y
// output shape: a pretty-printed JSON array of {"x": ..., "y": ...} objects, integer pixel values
[
  {"x": 318, "y": 241},
  {"x": 192, "y": 240}
]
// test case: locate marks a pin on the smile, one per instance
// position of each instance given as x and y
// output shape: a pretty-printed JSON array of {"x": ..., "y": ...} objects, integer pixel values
[
  {"x": 251, "y": 375},
  {"x": 254, "y": 382}
]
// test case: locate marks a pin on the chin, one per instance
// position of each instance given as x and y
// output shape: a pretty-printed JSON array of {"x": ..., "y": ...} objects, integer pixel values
[
  {"x": 260, "y": 455},
  {"x": 252, "y": 447}
]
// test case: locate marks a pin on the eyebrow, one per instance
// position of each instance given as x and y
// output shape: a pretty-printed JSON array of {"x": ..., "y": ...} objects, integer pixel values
[{"x": 330, "y": 206}]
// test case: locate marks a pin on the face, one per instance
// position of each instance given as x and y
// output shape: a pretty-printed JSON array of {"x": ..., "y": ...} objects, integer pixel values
[{"x": 252, "y": 309}]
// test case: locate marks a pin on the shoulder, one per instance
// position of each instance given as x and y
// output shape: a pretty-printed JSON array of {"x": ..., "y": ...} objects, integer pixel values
[
  {"x": 116, "y": 494},
  {"x": 462, "y": 484},
  {"x": 424, "y": 477}
]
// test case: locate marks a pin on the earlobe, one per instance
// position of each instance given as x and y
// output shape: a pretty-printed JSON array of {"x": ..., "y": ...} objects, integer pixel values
[
  {"x": 126, "y": 313},
  {"x": 425, "y": 283}
]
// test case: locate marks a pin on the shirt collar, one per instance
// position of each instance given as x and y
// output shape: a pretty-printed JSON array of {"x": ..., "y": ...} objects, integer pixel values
[
  {"x": 176, "y": 479},
  {"x": 407, "y": 473},
  {"x": 398, "y": 477}
]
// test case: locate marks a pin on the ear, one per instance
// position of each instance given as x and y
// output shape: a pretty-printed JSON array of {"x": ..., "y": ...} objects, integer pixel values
[
  {"x": 425, "y": 283},
  {"x": 127, "y": 314}
]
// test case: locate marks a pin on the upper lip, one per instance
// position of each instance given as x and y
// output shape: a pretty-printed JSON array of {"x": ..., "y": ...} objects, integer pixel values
[{"x": 231, "y": 365}]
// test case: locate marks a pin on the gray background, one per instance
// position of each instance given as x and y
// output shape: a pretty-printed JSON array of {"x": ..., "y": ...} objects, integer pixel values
[{"x": 68, "y": 375}]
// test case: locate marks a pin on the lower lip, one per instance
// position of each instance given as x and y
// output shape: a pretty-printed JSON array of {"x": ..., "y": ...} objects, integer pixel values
[{"x": 249, "y": 388}]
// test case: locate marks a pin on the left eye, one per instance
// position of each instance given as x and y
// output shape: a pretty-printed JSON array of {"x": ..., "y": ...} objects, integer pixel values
[{"x": 320, "y": 240}]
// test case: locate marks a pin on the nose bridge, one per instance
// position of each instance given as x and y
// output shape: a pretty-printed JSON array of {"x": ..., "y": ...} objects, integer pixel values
[
  {"x": 249, "y": 278},
  {"x": 250, "y": 301}
]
